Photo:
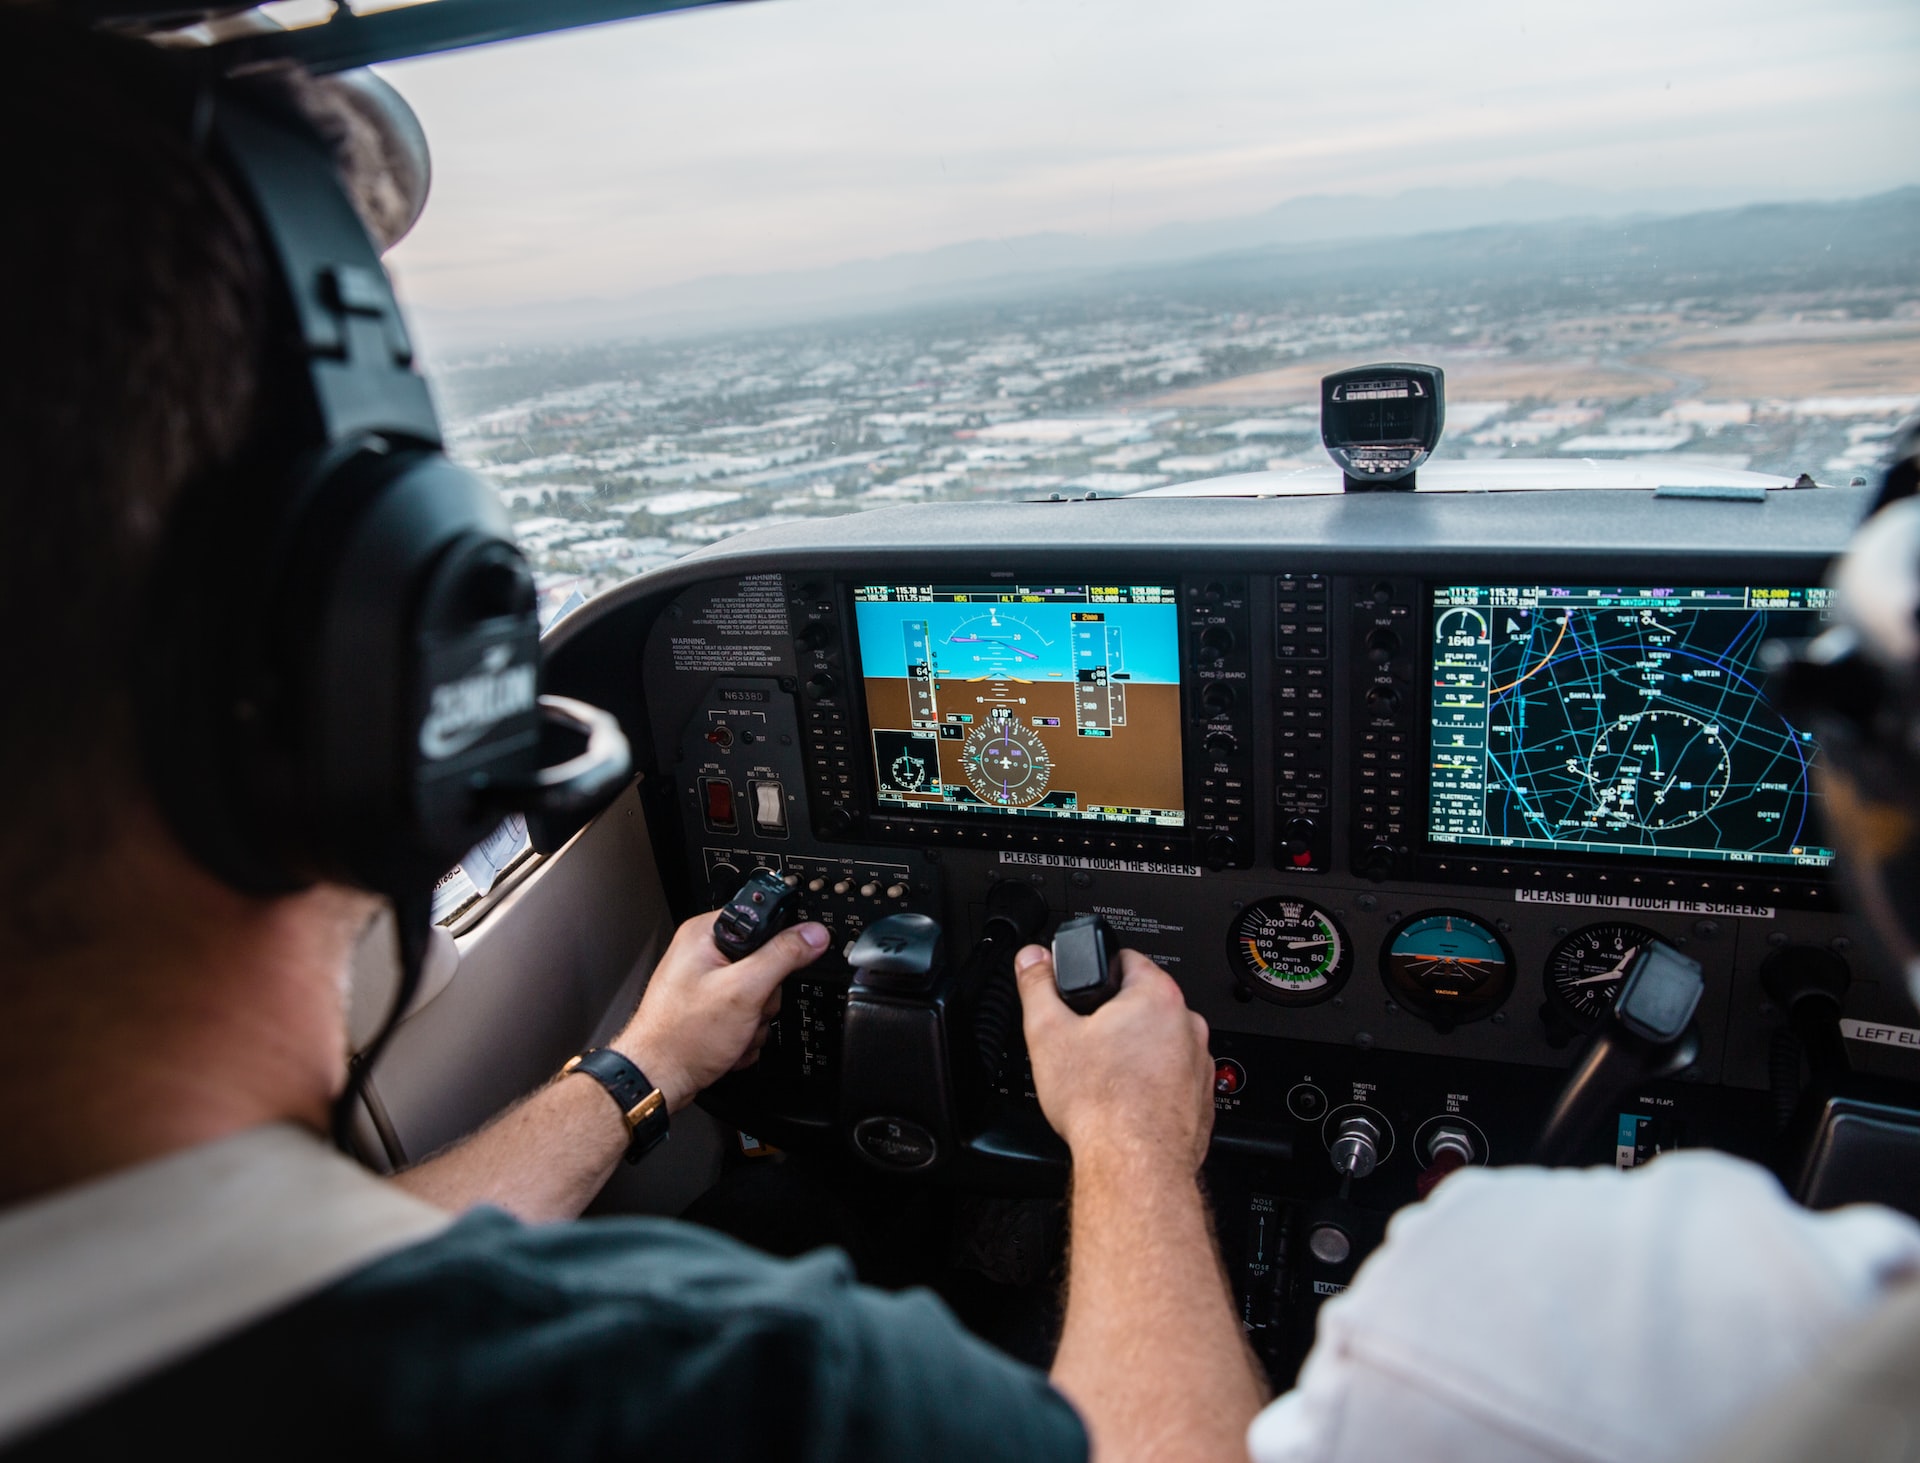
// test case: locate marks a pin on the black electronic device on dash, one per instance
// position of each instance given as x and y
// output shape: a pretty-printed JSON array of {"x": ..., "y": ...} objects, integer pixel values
[
  {"x": 1086, "y": 963},
  {"x": 1379, "y": 423},
  {"x": 763, "y": 907}
]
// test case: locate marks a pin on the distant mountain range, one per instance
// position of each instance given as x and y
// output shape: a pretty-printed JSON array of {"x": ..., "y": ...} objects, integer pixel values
[{"x": 1519, "y": 235}]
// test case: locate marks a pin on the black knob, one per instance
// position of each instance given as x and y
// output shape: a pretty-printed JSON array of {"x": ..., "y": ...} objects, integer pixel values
[
  {"x": 1215, "y": 642},
  {"x": 814, "y": 636},
  {"x": 1218, "y": 698},
  {"x": 1213, "y": 592},
  {"x": 1302, "y": 834},
  {"x": 1382, "y": 593},
  {"x": 1378, "y": 861},
  {"x": 834, "y": 820},
  {"x": 1382, "y": 646},
  {"x": 820, "y": 685},
  {"x": 1383, "y": 701},
  {"x": 1222, "y": 850},
  {"x": 1221, "y": 743},
  {"x": 723, "y": 882}
]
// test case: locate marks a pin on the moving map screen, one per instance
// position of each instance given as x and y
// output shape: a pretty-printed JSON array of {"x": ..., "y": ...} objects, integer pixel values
[
  {"x": 1048, "y": 700},
  {"x": 1619, "y": 721}
]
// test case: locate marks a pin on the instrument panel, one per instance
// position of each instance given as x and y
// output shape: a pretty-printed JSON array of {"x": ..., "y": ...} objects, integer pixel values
[{"x": 1396, "y": 789}]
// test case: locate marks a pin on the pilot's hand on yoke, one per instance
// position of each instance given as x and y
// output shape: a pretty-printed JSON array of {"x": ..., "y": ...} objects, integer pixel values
[
  {"x": 704, "y": 1016},
  {"x": 1132, "y": 1082}
]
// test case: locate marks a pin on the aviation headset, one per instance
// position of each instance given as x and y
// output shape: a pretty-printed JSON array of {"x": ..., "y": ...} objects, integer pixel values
[
  {"x": 1858, "y": 686},
  {"x": 340, "y": 677}
]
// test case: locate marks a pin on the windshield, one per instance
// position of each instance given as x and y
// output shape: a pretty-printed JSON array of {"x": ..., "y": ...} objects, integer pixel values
[{"x": 691, "y": 275}]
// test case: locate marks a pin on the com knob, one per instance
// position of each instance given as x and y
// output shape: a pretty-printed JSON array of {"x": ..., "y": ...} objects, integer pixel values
[
  {"x": 1382, "y": 646},
  {"x": 1356, "y": 1147},
  {"x": 820, "y": 685},
  {"x": 1215, "y": 642}
]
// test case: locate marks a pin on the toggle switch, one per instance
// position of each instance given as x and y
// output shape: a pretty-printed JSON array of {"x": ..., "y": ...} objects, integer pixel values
[
  {"x": 718, "y": 797},
  {"x": 769, "y": 807}
]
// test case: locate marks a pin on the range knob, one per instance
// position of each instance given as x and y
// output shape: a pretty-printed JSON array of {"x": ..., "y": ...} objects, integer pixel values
[
  {"x": 1218, "y": 698},
  {"x": 1382, "y": 646},
  {"x": 1223, "y": 849},
  {"x": 1383, "y": 701},
  {"x": 1356, "y": 1147},
  {"x": 1378, "y": 861},
  {"x": 1222, "y": 743},
  {"x": 820, "y": 685},
  {"x": 1215, "y": 642}
]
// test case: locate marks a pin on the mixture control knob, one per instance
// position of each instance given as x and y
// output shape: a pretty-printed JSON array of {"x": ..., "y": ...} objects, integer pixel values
[
  {"x": 1356, "y": 1147},
  {"x": 821, "y": 684},
  {"x": 1378, "y": 862},
  {"x": 1451, "y": 1145},
  {"x": 1382, "y": 646},
  {"x": 1217, "y": 699},
  {"x": 1220, "y": 743},
  {"x": 1215, "y": 642}
]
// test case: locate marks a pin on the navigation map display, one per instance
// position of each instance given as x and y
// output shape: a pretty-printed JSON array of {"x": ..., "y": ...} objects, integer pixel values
[
  {"x": 1619, "y": 721},
  {"x": 1048, "y": 700}
]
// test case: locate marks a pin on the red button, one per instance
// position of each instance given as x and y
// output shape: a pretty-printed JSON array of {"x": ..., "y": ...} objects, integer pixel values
[{"x": 1228, "y": 1077}]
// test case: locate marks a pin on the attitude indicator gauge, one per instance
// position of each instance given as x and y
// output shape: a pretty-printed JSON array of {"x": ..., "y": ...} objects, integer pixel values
[
  {"x": 1585, "y": 970},
  {"x": 1289, "y": 951},
  {"x": 1006, "y": 764},
  {"x": 1447, "y": 966}
]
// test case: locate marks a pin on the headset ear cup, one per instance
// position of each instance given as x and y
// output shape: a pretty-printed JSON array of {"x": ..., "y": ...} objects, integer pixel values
[{"x": 417, "y": 680}]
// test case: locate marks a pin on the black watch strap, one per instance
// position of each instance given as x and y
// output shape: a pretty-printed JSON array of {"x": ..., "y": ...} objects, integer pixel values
[{"x": 643, "y": 1107}]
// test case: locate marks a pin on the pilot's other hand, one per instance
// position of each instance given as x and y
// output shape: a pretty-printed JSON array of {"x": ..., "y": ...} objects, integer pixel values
[
  {"x": 1131, "y": 1081},
  {"x": 703, "y": 1016}
]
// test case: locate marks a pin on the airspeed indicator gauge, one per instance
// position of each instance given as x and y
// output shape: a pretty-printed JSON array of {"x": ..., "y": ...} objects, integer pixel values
[
  {"x": 1289, "y": 951},
  {"x": 1585, "y": 970}
]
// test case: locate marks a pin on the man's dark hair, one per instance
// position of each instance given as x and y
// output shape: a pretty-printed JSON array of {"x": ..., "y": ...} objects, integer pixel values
[{"x": 132, "y": 295}]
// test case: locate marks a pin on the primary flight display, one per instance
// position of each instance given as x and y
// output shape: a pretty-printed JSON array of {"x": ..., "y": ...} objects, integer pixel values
[
  {"x": 1048, "y": 700},
  {"x": 1617, "y": 720}
]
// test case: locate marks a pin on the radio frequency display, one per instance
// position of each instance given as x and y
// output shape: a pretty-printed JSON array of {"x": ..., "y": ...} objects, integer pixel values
[{"x": 1619, "y": 721}]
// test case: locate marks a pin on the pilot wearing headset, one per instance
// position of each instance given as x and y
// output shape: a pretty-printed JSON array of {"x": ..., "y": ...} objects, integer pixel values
[
  {"x": 1690, "y": 1307},
  {"x": 270, "y": 658}
]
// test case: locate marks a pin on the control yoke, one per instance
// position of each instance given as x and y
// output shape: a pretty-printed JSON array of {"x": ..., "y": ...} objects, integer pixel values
[{"x": 1648, "y": 1034}]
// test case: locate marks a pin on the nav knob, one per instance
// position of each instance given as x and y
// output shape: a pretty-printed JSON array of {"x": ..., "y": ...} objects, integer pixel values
[
  {"x": 1356, "y": 1147},
  {"x": 813, "y": 636},
  {"x": 1382, "y": 646}
]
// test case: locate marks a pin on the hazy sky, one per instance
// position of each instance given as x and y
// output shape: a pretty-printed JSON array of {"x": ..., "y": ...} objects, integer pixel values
[{"x": 794, "y": 133}]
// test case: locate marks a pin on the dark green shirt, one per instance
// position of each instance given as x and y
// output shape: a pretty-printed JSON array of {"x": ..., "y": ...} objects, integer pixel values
[{"x": 642, "y": 1339}]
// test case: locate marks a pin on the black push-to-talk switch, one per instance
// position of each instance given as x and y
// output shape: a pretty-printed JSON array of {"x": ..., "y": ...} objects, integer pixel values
[
  {"x": 1086, "y": 963},
  {"x": 762, "y": 908}
]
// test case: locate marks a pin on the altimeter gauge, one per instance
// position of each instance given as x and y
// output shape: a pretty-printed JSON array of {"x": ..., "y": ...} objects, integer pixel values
[
  {"x": 1585, "y": 970},
  {"x": 1289, "y": 951},
  {"x": 1006, "y": 764}
]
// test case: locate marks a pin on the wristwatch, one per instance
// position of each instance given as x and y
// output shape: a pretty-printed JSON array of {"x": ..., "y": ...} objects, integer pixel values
[{"x": 643, "y": 1107}]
